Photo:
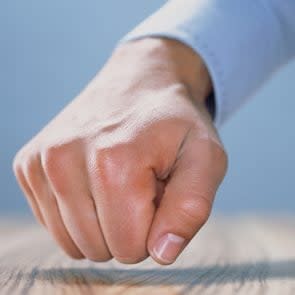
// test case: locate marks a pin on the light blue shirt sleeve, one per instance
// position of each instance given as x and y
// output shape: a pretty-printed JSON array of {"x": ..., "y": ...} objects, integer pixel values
[{"x": 241, "y": 42}]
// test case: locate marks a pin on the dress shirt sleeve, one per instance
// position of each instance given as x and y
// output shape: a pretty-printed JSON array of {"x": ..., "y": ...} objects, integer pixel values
[{"x": 241, "y": 42}]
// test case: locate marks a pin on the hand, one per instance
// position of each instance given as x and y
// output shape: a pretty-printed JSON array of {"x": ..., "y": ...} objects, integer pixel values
[{"x": 131, "y": 166}]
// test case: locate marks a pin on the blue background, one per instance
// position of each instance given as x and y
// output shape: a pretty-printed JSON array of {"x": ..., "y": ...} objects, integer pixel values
[{"x": 49, "y": 50}]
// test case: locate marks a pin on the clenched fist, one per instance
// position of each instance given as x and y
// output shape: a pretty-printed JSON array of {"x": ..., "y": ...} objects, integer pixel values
[{"x": 131, "y": 166}]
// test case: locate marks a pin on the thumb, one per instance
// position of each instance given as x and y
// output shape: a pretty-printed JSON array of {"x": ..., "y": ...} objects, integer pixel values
[{"x": 188, "y": 197}]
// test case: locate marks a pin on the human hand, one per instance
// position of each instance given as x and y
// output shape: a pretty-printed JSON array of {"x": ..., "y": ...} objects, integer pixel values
[{"x": 131, "y": 166}]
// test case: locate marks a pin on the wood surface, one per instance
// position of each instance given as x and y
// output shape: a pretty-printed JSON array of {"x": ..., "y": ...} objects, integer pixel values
[{"x": 234, "y": 255}]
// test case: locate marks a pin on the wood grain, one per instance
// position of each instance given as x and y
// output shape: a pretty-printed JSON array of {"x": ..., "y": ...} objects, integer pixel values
[{"x": 237, "y": 255}]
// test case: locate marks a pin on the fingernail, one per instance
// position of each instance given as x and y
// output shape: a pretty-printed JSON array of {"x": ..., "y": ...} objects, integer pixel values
[{"x": 168, "y": 247}]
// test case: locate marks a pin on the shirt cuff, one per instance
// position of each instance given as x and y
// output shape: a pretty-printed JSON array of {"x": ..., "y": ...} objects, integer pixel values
[{"x": 239, "y": 41}]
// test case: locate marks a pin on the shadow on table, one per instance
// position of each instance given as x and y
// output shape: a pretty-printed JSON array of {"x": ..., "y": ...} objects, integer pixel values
[{"x": 187, "y": 277}]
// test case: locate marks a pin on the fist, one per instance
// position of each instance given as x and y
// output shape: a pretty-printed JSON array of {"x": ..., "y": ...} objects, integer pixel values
[{"x": 131, "y": 166}]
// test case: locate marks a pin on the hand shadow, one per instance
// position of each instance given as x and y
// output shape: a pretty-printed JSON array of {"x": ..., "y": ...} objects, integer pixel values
[{"x": 187, "y": 277}]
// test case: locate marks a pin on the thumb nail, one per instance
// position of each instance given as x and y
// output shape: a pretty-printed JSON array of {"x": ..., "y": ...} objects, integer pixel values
[{"x": 168, "y": 247}]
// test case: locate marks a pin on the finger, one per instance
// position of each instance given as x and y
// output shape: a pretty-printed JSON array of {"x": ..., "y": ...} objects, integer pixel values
[
  {"x": 188, "y": 198},
  {"x": 48, "y": 207},
  {"x": 123, "y": 192},
  {"x": 18, "y": 170},
  {"x": 67, "y": 175}
]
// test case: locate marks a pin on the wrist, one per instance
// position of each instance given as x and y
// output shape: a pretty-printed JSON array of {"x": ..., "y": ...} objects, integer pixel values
[{"x": 165, "y": 61}]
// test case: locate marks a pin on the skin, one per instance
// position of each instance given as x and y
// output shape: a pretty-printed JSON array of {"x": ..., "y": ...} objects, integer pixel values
[{"x": 131, "y": 159}]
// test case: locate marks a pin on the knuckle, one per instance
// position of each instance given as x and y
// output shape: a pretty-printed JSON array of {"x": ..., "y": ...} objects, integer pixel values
[
  {"x": 21, "y": 180},
  {"x": 53, "y": 159},
  {"x": 215, "y": 154},
  {"x": 219, "y": 156},
  {"x": 31, "y": 168},
  {"x": 108, "y": 161},
  {"x": 109, "y": 156},
  {"x": 17, "y": 168},
  {"x": 22, "y": 156},
  {"x": 18, "y": 161},
  {"x": 195, "y": 211},
  {"x": 204, "y": 209},
  {"x": 27, "y": 169},
  {"x": 223, "y": 159}
]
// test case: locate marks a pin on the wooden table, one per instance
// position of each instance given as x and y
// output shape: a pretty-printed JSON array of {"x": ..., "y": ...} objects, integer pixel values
[{"x": 237, "y": 255}]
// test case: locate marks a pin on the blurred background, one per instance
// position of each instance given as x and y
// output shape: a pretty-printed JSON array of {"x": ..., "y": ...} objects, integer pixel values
[{"x": 49, "y": 50}]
